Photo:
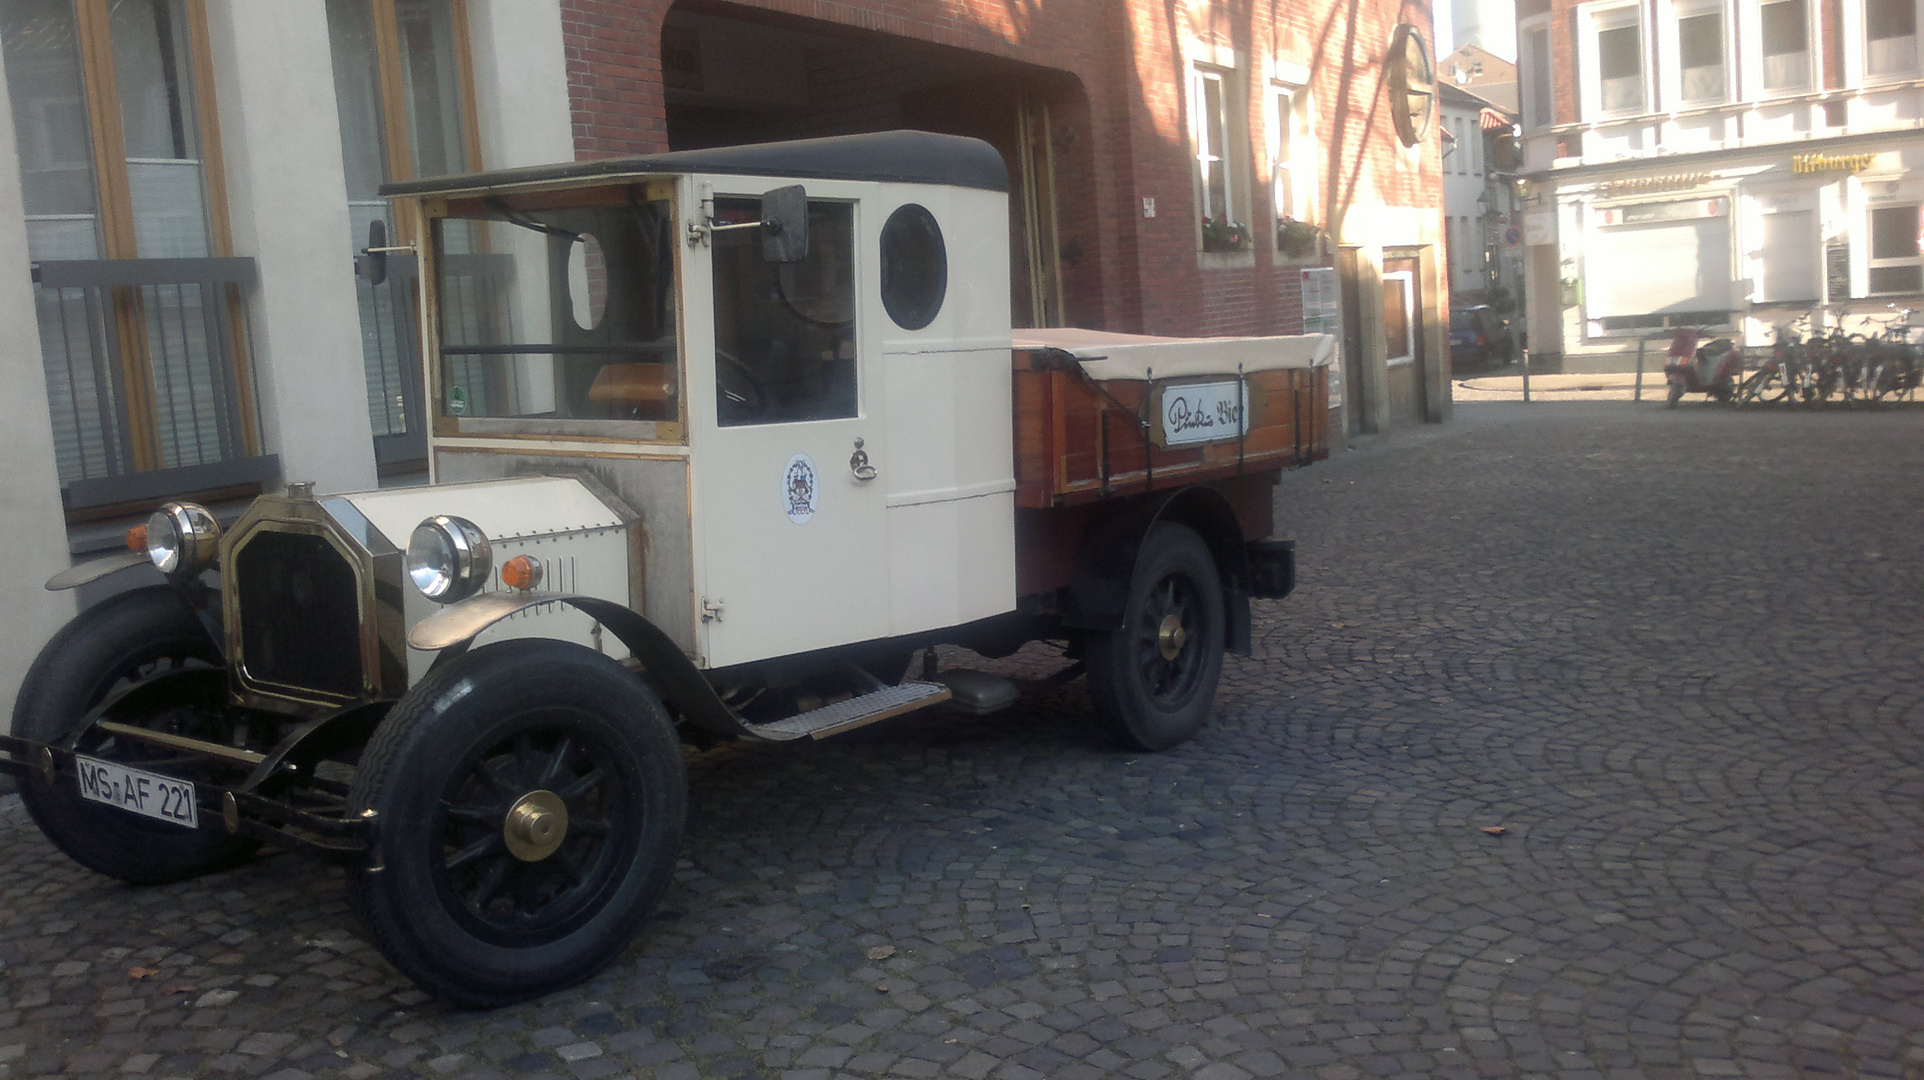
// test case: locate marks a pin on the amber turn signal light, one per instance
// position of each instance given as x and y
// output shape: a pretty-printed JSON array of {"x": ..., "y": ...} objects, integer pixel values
[
  {"x": 137, "y": 539},
  {"x": 521, "y": 572}
]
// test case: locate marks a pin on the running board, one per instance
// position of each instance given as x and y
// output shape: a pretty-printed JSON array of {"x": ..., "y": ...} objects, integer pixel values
[{"x": 855, "y": 712}]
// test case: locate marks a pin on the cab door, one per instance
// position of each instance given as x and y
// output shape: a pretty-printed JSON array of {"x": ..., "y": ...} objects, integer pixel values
[{"x": 790, "y": 518}]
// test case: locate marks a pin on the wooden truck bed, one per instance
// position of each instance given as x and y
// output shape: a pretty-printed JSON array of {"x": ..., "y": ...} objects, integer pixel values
[{"x": 1082, "y": 431}]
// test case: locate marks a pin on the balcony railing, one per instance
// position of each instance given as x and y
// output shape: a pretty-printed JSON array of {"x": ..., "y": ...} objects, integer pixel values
[
  {"x": 147, "y": 379},
  {"x": 392, "y": 361}
]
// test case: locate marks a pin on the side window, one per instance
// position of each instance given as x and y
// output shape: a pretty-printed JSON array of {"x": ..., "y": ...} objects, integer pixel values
[
  {"x": 1613, "y": 69},
  {"x": 915, "y": 267},
  {"x": 1786, "y": 45},
  {"x": 1890, "y": 37},
  {"x": 784, "y": 332},
  {"x": 1897, "y": 258},
  {"x": 1539, "y": 97}
]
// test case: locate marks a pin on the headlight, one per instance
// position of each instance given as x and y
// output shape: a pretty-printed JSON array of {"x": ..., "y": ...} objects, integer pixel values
[
  {"x": 182, "y": 539},
  {"x": 448, "y": 558}
]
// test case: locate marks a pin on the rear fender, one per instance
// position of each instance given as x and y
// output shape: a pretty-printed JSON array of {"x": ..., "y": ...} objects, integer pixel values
[
  {"x": 1098, "y": 591},
  {"x": 452, "y": 629}
]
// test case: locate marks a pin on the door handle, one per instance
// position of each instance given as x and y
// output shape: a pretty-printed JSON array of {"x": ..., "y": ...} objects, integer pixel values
[{"x": 858, "y": 463}]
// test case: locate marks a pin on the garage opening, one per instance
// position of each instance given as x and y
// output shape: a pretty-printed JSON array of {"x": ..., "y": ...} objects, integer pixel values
[{"x": 734, "y": 75}]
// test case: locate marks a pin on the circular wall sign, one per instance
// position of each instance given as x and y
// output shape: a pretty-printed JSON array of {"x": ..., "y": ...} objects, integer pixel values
[{"x": 1412, "y": 85}]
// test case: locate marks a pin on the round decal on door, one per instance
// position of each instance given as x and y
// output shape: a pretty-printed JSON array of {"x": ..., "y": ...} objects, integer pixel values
[{"x": 801, "y": 488}]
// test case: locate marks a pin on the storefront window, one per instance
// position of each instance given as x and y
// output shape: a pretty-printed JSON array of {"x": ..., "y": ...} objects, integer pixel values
[
  {"x": 1897, "y": 262},
  {"x": 1786, "y": 36}
]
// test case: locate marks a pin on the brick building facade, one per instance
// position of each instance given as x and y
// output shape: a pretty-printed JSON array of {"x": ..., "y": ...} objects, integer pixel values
[{"x": 1094, "y": 104}]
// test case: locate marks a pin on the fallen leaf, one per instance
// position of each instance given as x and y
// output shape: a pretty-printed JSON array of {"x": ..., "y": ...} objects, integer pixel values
[
  {"x": 1495, "y": 830},
  {"x": 181, "y": 989},
  {"x": 141, "y": 972},
  {"x": 881, "y": 952}
]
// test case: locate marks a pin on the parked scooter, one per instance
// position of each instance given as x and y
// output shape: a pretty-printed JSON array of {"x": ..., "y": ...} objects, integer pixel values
[{"x": 1710, "y": 369}]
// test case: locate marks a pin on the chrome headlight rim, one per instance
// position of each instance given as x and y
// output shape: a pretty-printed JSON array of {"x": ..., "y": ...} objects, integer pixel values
[
  {"x": 448, "y": 558},
  {"x": 183, "y": 539}
]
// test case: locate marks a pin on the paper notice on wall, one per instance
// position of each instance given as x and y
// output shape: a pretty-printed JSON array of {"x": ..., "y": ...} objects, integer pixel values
[
  {"x": 1323, "y": 315},
  {"x": 1319, "y": 301}
]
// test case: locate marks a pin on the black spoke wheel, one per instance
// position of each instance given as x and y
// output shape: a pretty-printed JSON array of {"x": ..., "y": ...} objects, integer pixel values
[
  {"x": 1153, "y": 682},
  {"x": 528, "y": 801},
  {"x": 131, "y": 638}
]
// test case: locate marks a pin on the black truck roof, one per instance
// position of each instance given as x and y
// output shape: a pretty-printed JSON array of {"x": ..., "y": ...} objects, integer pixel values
[{"x": 914, "y": 157}]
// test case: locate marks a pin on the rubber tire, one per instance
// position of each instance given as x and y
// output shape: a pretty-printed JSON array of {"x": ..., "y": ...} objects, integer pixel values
[
  {"x": 1123, "y": 704},
  {"x": 464, "y": 707},
  {"x": 73, "y": 673},
  {"x": 1676, "y": 395}
]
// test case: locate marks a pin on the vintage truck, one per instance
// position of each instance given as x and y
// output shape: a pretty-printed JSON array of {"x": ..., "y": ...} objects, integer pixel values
[{"x": 720, "y": 441}]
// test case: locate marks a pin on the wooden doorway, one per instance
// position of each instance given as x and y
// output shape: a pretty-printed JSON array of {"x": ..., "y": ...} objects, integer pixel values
[{"x": 1357, "y": 401}]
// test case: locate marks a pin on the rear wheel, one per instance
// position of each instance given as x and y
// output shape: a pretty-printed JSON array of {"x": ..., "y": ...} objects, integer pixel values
[
  {"x": 130, "y": 638},
  {"x": 1153, "y": 682},
  {"x": 529, "y": 800}
]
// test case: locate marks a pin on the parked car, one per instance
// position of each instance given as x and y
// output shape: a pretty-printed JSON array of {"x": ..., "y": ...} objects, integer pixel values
[
  {"x": 646, "y": 375},
  {"x": 1479, "y": 337}
]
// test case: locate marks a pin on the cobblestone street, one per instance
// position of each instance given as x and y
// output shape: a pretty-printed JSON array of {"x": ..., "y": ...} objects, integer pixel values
[{"x": 1588, "y": 746}]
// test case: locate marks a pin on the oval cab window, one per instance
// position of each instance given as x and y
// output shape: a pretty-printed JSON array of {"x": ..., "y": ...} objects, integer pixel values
[
  {"x": 587, "y": 281},
  {"x": 915, "y": 267}
]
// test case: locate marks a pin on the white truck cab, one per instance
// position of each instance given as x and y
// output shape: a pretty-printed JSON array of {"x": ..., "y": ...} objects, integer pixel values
[{"x": 720, "y": 441}]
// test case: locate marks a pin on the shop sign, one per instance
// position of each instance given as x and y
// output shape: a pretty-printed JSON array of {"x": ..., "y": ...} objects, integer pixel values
[
  {"x": 1812, "y": 163},
  {"x": 1645, "y": 213},
  {"x": 1644, "y": 185},
  {"x": 1539, "y": 228}
]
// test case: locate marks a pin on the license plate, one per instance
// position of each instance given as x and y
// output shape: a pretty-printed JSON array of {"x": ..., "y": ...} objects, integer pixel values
[{"x": 162, "y": 798}]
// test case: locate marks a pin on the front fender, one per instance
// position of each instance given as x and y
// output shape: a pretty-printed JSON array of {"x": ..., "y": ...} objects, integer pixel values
[
  {"x": 75, "y": 576},
  {"x": 682, "y": 685}
]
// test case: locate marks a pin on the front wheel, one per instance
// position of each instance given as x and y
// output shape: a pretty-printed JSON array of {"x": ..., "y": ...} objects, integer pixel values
[
  {"x": 131, "y": 638},
  {"x": 529, "y": 801},
  {"x": 1676, "y": 395},
  {"x": 1153, "y": 682}
]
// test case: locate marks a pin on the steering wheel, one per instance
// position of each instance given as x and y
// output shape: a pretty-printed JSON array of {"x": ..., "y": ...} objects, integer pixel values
[{"x": 737, "y": 384}]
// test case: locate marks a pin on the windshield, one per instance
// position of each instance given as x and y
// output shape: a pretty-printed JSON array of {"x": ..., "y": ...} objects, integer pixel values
[{"x": 558, "y": 314}]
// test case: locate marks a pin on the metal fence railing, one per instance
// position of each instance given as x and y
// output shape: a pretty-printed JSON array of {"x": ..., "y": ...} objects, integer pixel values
[
  {"x": 146, "y": 373},
  {"x": 391, "y": 358}
]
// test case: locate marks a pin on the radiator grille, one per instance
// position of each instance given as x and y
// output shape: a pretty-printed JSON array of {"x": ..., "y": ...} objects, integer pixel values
[{"x": 299, "y": 614}]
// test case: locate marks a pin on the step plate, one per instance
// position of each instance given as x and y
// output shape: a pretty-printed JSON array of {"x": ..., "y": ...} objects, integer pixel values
[{"x": 856, "y": 711}]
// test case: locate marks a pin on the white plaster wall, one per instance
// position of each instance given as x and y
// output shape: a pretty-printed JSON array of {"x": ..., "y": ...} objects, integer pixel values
[
  {"x": 520, "y": 82},
  {"x": 287, "y": 198},
  {"x": 33, "y": 531}
]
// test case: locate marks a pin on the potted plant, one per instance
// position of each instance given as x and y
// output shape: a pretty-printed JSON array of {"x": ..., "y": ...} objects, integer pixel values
[
  {"x": 1221, "y": 234},
  {"x": 1296, "y": 238}
]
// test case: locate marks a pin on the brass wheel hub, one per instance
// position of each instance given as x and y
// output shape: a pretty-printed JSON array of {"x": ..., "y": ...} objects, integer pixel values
[
  {"x": 1170, "y": 637},
  {"x": 536, "y": 825}
]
